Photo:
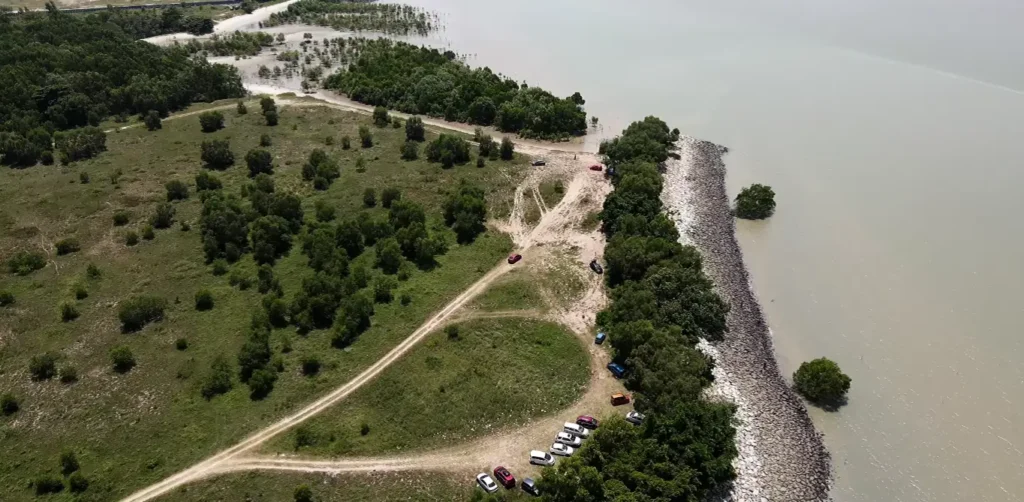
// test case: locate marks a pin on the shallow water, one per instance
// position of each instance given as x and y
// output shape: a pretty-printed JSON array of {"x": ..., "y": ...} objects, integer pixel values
[{"x": 892, "y": 133}]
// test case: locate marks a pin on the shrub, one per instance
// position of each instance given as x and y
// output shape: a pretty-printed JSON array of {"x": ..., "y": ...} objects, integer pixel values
[
  {"x": 396, "y": 123},
  {"x": 163, "y": 217},
  {"x": 211, "y": 121},
  {"x": 365, "y": 137},
  {"x": 265, "y": 140},
  {"x": 480, "y": 162},
  {"x": 43, "y": 366},
  {"x": 26, "y": 262},
  {"x": 93, "y": 272},
  {"x": 303, "y": 494},
  {"x": 181, "y": 344},
  {"x": 176, "y": 190},
  {"x": 9, "y": 404},
  {"x": 310, "y": 365},
  {"x": 153, "y": 121},
  {"x": 414, "y": 130},
  {"x": 508, "y": 149},
  {"x": 67, "y": 246},
  {"x": 271, "y": 117},
  {"x": 218, "y": 381},
  {"x": 68, "y": 462},
  {"x": 329, "y": 140},
  {"x": 131, "y": 238},
  {"x": 207, "y": 181},
  {"x": 822, "y": 382},
  {"x": 139, "y": 311},
  {"x": 261, "y": 383},
  {"x": 185, "y": 226},
  {"x": 239, "y": 279},
  {"x": 121, "y": 218},
  {"x": 755, "y": 202},
  {"x": 241, "y": 109},
  {"x": 382, "y": 289},
  {"x": 346, "y": 143},
  {"x": 79, "y": 144},
  {"x": 6, "y": 298},
  {"x": 68, "y": 374},
  {"x": 452, "y": 332},
  {"x": 216, "y": 154},
  {"x": 364, "y": 428},
  {"x": 448, "y": 150},
  {"x": 83, "y": 178},
  {"x": 219, "y": 266},
  {"x": 122, "y": 358},
  {"x": 80, "y": 291},
  {"x": 267, "y": 104},
  {"x": 259, "y": 161},
  {"x": 147, "y": 232},
  {"x": 410, "y": 150},
  {"x": 324, "y": 211},
  {"x": 204, "y": 300},
  {"x": 304, "y": 436},
  {"x": 68, "y": 312},
  {"x": 360, "y": 164},
  {"x": 380, "y": 116},
  {"x": 369, "y": 198},
  {"x": 46, "y": 484},
  {"x": 46, "y": 158},
  {"x": 406, "y": 299},
  {"x": 78, "y": 483}
]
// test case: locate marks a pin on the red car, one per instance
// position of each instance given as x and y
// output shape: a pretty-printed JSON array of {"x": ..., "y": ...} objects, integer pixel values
[
  {"x": 512, "y": 259},
  {"x": 504, "y": 477},
  {"x": 586, "y": 421},
  {"x": 596, "y": 167}
]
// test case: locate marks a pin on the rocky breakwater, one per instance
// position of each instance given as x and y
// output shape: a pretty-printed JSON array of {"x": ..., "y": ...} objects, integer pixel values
[{"x": 781, "y": 456}]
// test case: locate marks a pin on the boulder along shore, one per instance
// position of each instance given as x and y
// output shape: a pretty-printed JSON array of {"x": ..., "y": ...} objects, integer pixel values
[{"x": 781, "y": 456}]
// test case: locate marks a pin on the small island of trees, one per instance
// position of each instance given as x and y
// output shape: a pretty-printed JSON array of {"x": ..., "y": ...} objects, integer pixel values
[
  {"x": 755, "y": 202},
  {"x": 822, "y": 382}
]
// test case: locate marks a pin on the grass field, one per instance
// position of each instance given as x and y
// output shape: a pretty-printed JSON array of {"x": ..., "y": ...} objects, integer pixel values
[
  {"x": 131, "y": 429},
  {"x": 493, "y": 373},
  {"x": 518, "y": 290}
]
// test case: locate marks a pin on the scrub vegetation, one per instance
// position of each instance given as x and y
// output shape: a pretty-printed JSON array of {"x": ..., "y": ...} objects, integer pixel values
[
  {"x": 357, "y": 16},
  {"x": 755, "y": 202}
]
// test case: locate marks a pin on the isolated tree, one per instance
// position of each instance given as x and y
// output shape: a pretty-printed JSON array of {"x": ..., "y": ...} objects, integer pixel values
[
  {"x": 346, "y": 143},
  {"x": 380, "y": 116},
  {"x": 414, "y": 130},
  {"x": 310, "y": 365},
  {"x": 822, "y": 382},
  {"x": 271, "y": 117},
  {"x": 153, "y": 120},
  {"x": 218, "y": 381},
  {"x": 9, "y": 404},
  {"x": 303, "y": 494},
  {"x": 163, "y": 217},
  {"x": 43, "y": 366},
  {"x": 122, "y": 359},
  {"x": 410, "y": 150},
  {"x": 241, "y": 109},
  {"x": 389, "y": 195},
  {"x": 211, "y": 121},
  {"x": 267, "y": 103},
  {"x": 369, "y": 198},
  {"x": 6, "y": 298},
  {"x": 365, "y": 137},
  {"x": 204, "y": 299},
  {"x": 755, "y": 202},
  {"x": 25, "y": 262},
  {"x": 138, "y": 311},
  {"x": 176, "y": 190},
  {"x": 67, "y": 246},
  {"x": 265, "y": 140},
  {"x": 68, "y": 462},
  {"x": 507, "y": 149},
  {"x": 259, "y": 161},
  {"x": 217, "y": 154}
]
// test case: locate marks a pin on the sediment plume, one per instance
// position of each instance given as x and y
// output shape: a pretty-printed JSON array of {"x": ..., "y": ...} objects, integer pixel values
[{"x": 781, "y": 456}]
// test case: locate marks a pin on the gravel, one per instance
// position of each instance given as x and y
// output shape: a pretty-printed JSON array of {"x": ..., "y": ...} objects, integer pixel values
[{"x": 781, "y": 456}]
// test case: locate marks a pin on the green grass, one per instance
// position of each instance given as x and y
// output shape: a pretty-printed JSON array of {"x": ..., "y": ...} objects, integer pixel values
[
  {"x": 496, "y": 373},
  {"x": 517, "y": 291},
  {"x": 591, "y": 221},
  {"x": 552, "y": 192},
  {"x": 137, "y": 428}
]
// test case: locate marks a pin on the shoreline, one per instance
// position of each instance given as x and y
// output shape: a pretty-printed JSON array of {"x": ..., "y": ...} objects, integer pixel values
[{"x": 781, "y": 455}]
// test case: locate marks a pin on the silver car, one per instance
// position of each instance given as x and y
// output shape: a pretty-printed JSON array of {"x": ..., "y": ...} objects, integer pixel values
[
  {"x": 635, "y": 417},
  {"x": 568, "y": 439},
  {"x": 538, "y": 457},
  {"x": 576, "y": 430},
  {"x": 561, "y": 449},
  {"x": 486, "y": 482}
]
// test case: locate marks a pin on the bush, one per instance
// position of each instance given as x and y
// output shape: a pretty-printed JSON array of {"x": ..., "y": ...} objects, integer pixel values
[
  {"x": 755, "y": 202},
  {"x": 204, "y": 299},
  {"x": 137, "y": 312},
  {"x": 369, "y": 198},
  {"x": 207, "y": 181},
  {"x": 324, "y": 211},
  {"x": 822, "y": 382},
  {"x": 9, "y": 404},
  {"x": 83, "y": 178},
  {"x": 410, "y": 150},
  {"x": 67, "y": 246},
  {"x": 211, "y": 121},
  {"x": 6, "y": 298},
  {"x": 176, "y": 190},
  {"x": 46, "y": 158},
  {"x": 381, "y": 117},
  {"x": 239, "y": 279},
  {"x": 310, "y": 365},
  {"x": 80, "y": 291},
  {"x": 480, "y": 162},
  {"x": 382, "y": 289},
  {"x": 396, "y": 123},
  {"x": 46, "y": 484},
  {"x": 448, "y": 150},
  {"x": 80, "y": 144},
  {"x": 265, "y": 140},
  {"x": 218, "y": 381},
  {"x": 147, "y": 232},
  {"x": 43, "y": 366},
  {"x": 68, "y": 312},
  {"x": 131, "y": 238},
  {"x": 78, "y": 483},
  {"x": 267, "y": 104},
  {"x": 241, "y": 109},
  {"x": 507, "y": 149},
  {"x": 303, "y": 494},
  {"x": 365, "y": 138},
  {"x": 346, "y": 143},
  {"x": 181, "y": 344},
  {"x": 304, "y": 436},
  {"x": 26, "y": 262},
  {"x": 122, "y": 358},
  {"x": 93, "y": 272},
  {"x": 414, "y": 130},
  {"x": 406, "y": 299},
  {"x": 153, "y": 121},
  {"x": 261, "y": 383},
  {"x": 185, "y": 226},
  {"x": 364, "y": 429},
  {"x": 163, "y": 217},
  {"x": 121, "y": 218},
  {"x": 216, "y": 154},
  {"x": 219, "y": 266},
  {"x": 259, "y": 161},
  {"x": 68, "y": 374},
  {"x": 452, "y": 332},
  {"x": 68, "y": 462},
  {"x": 271, "y": 117}
]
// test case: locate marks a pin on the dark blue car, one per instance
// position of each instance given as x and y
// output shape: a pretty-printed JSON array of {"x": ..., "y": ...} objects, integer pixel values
[
  {"x": 617, "y": 370},
  {"x": 599, "y": 339}
]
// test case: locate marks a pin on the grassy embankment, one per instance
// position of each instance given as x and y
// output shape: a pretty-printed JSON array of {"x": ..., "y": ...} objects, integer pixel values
[{"x": 135, "y": 428}]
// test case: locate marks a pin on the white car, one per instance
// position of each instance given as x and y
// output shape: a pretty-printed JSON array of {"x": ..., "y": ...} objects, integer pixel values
[
  {"x": 576, "y": 430},
  {"x": 486, "y": 482},
  {"x": 538, "y": 457},
  {"x": 561, "y": 449},
  {"x": 568, "y": 439},
  {"x": 635, "y": 418}
]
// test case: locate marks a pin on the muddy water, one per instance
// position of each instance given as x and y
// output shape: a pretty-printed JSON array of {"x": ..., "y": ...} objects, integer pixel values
[{"x": 892, "y": 134}]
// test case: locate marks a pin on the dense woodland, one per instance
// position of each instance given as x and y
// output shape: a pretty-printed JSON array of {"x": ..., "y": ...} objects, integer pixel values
[
  {"x": 662, "y": 303},
  {"x": 153, "y": 22},
  {"x": 63, "y": 71},
  {"x": 360, "y": 15},
  {"x": 425, "y": 81}
]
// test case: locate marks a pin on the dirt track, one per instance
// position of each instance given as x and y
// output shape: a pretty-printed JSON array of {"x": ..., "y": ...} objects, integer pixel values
[{"x": 557, "y": 226}]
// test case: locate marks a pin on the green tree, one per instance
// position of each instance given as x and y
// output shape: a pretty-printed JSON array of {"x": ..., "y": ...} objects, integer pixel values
[
  {"x": 381, "y": 117},
  {"x": 271, "y": 238},
  {"x": 389, "y": 195},
  {"x": 369, "y": 198},
  {"x": 218, "y": 381},
  {"x": 207, "y": 181},
  {"x": 68, "y": 462},
  {"x": 204, "y": 299},
  {"x": 176, "y": 190},
  {"x": 507, "y": 149},
  {"x": 163, "y": 217},
  {"x": 78, "y": 483},
  {"x": 267, "y": 104},
  {"x": 217, "y": 154},
  {"x": 261, "y": 383},
  {"x": 410, "y": 150},
  {"x": 310, "y": 365},
  {"x": 448, "y": 150},
  {"x": 25, "y": 262},
  {"x": 822, "y": 382},
  {"x": 303, "y": 494},
  {"x": 414, "y": 130},
  {"x": 122, "y": 359},
  {"x": 241, "y": 109},
  {"x": 67, "y": 246},
  {"x": 153, "y": 120},
  {"x": 755, "y": 202},
  {"x": 9, "y": 404},
  {"x": 346, "y": 143},
  {"x": 389, "y": 255},
  {"x": 365, "y": 137},
  {"x": 465, "y": 210},
  {"x": 138, "y": 311},
  {"x": 211, "y": 121},
  {"x": 259, "y": 161},
  {"x": 271, "y": 117},
  {"x": 43, "y": 366}
]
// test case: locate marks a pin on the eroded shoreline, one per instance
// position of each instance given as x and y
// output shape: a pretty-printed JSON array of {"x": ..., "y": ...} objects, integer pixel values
[{"x": 782, "y": 457}]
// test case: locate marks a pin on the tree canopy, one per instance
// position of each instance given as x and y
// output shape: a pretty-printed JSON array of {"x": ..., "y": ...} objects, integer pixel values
[
  {"x": 822, "y": 382},
  {"x": 755, "y": 202}
]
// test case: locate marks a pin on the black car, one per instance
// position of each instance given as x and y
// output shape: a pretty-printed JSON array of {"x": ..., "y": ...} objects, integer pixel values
[
  {"x": 538, "y": 163},
  {"x": 596, "y": 267},
  {"x": 530, "y": 486}
]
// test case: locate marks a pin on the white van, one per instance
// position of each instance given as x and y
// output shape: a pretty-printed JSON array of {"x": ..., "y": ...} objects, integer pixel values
[
  {"x": 538, "y": 457},
  {"x": 576, "y": 429}
]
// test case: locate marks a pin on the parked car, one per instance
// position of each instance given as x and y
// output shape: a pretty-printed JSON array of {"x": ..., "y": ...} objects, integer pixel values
[
  {"x": 568, "y": 439},
  {"x": 529, "y": 486},
  {"x": 486, "y": 482},
  {"x": 635, "y": 417},
  {"x": 596, "y": 267},
  {"x": 586, "y": 421},
  {"x": 575, "y": 429},
  {"x": 513, "y": 258},
  {"x": 618, "y": 399},
  {"x": 505, "y": 477},
  {"x": 538, "y": 162},
  {"x": 599, "y": 339},
  {"x": 538, "y": 457},
  {"x": 596, "y": 167},
  {"x": 562, "y": 450},
  {"x": 617, "y": 369}
]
